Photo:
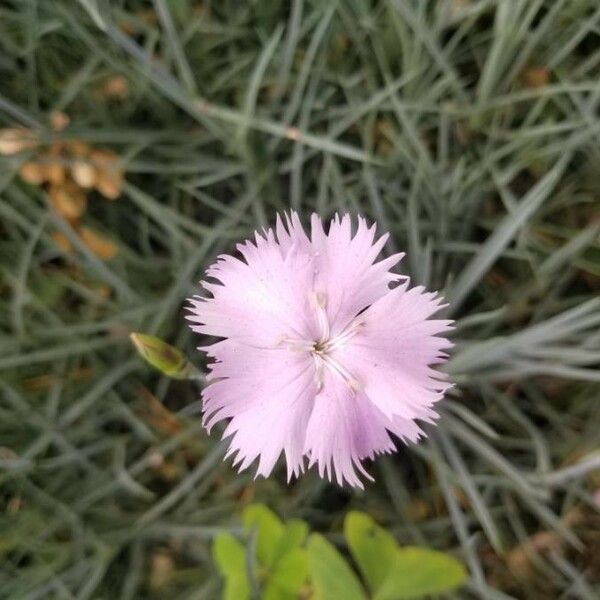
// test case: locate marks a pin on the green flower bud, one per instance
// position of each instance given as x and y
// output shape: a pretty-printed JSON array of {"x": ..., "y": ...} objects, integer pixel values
[{"x": 163, "y": 357}]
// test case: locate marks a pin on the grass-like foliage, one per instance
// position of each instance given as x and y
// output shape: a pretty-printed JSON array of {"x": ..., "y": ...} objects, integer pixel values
[{"x": 146, "y": 137}]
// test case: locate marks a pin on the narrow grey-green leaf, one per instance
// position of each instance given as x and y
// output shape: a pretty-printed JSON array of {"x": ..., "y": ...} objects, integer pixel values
[{"x": 503, "y": 234}]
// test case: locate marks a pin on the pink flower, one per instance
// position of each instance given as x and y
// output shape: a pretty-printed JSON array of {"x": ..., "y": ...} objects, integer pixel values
[{"x": 320, "y": 357}]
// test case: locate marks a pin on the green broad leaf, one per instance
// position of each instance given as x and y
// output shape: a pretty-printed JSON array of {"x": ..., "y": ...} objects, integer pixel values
[
  {"x": 230, "y": 556},
  {"x": 330, "y": 574},
  {"x": 288, "y": 577},
  {"x": 418, "y": 572},
  {"x": 372, "y": 547},
  {"x": 293, "y": 536},
  {"x": 269, "y": 532}
]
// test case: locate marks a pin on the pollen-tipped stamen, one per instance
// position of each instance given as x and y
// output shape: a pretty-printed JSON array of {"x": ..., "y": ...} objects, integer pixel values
[
  {"x": 339, "y": 340},
  {"x": 337, "y": 368}
]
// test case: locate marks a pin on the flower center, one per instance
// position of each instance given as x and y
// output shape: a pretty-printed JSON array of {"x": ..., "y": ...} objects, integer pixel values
[
  {"x": 322, "y": 349},
  {"x": 319, "y": 347}
]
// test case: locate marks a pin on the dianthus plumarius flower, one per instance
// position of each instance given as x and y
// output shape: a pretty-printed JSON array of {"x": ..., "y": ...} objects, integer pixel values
[{"x": 324, "y": 351}]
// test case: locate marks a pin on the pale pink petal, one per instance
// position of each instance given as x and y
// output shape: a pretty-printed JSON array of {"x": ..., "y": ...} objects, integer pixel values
[
  {"x": 344, "y": 429},
  {"x": 257, "y": 300},
  {"x": 291, "y": 234},
  {"x": 347, "y": 273},
  {"x": 393, "y": 350},
  {"x": 268, "y": 394},
  {"x": 405, "y": 429}
]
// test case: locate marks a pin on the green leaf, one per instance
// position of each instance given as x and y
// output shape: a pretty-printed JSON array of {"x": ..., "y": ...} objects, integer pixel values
[
  {"x": 230, "y": 556},
  {"x": 373, "y": 548},
  {"x": 293, "y": 536},
  {"x": 288, "y": 577},
  {"x": 269, "y": 532},
  {"x": 331, "y": 576},
  {"x": 418, "y": 572}
]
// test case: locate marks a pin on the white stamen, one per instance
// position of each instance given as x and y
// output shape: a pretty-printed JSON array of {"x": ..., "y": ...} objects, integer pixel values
[
  {"x": 321, "y": 349},
  {"x": 294, "y": 344},
  {"x": 318, "y": 372},
  {"x": 342, "y": 372},
  {"x": 344, "y": 336},
  {"x": 318, "y": 301}
]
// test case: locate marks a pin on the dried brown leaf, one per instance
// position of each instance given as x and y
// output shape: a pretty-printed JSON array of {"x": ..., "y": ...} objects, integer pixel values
[
  {"x": 59, "y": 120},
  {"x": 156, "y": 414},
  {"x": 161, "y": 570},
  {"x": 68, "y": 200},
  {"x": 14, "y": 140},
  {"x": 78, "y": 148},
  {"x": 535, "y": 77},
  {"x": 62, "y": 241},
  {"x": 34, "y": 173},
  {"x": 109, "y": 175},
  {"x": 84, "y": 174},
  {"x": 116, "y": 86},
  {"x": 98, "y": 243}
]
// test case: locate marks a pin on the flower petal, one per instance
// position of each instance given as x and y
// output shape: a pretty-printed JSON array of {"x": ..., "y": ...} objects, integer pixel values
[
  {"x": 291, "y": 234},
  {"x": 344, "y": 428},
  {"x": 392, "y": 354},
  {"x": 259, "y": 300},
  {"x": 346, "y": 272},
  {"x": 268, "y": 394}
]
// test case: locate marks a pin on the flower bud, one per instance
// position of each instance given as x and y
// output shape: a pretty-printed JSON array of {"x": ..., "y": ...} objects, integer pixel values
[{"x": 163, "y": 357}]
